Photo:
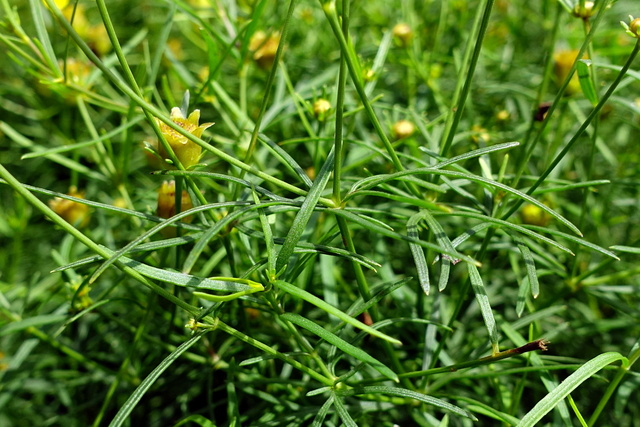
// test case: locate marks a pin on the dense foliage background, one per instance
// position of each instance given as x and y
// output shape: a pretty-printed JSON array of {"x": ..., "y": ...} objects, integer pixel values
[{"x": 435, "y": 178}]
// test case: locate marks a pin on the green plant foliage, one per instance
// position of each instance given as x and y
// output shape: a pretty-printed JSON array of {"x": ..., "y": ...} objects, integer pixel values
[{"x": 406, "y": 213}]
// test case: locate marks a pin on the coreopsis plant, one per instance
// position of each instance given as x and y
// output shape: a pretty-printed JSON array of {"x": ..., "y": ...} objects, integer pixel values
[{"x": 188, "y": 152}]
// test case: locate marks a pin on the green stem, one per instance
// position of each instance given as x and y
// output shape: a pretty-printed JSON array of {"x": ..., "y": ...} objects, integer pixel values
[
  {"x": 613, "y": 385},
  {"x": 57, "y": 219},
  {"x": 338, "y": 141},
  {"x": 265, "y": 99},
  {"x": 452, "y": 125},
  {"x": 531, "y": 346},
  {"x": 155, "y": 112},
  {"x": 349, "y": 57},
  {"x": 269, "y": 350},
  {"x": 556, "y": 102},
  {"x": 594, "y": 113}
]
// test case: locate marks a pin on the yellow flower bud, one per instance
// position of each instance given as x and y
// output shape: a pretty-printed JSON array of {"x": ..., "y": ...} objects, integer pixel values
[
  {"x": 635, "y": 26},
  {"x": 562, "y": 62},
  {"x": 403, "y": 34},
  {"x": 402, "y": 129},
  {"x": 167, "y": 205},
  {"x": 532, "y": 214},
  {"x": 188, "y": 152},
  {"x": 369, "y": 75},
  {"x": 321, "y": 109},
  {"x": 503, "y": 115},
  {"x": 584, "y": 12},
  {"x": 76, "y": 214}
]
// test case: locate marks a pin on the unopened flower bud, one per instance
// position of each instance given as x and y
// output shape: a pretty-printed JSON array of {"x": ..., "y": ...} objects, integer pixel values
[
  {"x": 534, "y": 215},
  {"x": 321, "y": 109},
  {"x": 562, "y": 62},
  {"x": 584, "y": 12},
  {"x": 403, "y": 34},
  {"x": 402, "y": 129},
  {"x": 633, "y": 27}
]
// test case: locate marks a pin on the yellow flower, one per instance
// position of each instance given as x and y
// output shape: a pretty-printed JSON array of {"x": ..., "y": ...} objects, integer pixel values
[
  {"x": 167, "y": 205},
  {"x": 188, "y": 152},
  {"x": 74, "y": 213},
  {"x": 264, "y": 48}
]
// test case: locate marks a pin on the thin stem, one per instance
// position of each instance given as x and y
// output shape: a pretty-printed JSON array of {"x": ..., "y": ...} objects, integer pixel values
[
  {"x": 155, "y": 112},
  {"x": 269, "y": 350},
  {"x": 57, "y": 219},
  {"x": 338, "y": 141},
  {"x": 556, "y": 101},
  {"x": 578, "y": 134},
  {"x": 531, "y": 346},
  {"x": 265, "y": 99},
  {"x": 613, "y": 385},
  {"x": 452, "y": 125}
]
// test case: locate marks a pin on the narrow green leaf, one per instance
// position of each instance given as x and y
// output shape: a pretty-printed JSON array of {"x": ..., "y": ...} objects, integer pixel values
[
  {"x": 369, "y": 224},
  {"x": 473, "y": 153},
  {"x": 268, "y": 237},
  {"x": 572, "y": 382},
  {"x": 228, "y": 284},
  {"x": 627, "y": 249},
  {"x": 312, "y": 299},
  {"x": 197, "y": 419},
  {"x": 142, "y": 389},
  {"x": 445, "y": 271},
  {"x": 419, "y": 259},
  {"x": 343, "y": 413},
  {"x": 306, "y": 210},
  {"x": 43, "y": 41},
  {"x": 219, "y": 226},
  {"x": 367, "y": 183},
  {"x": 340, "y": 343},
  {"x": 145, "y": 247},
  {"x": 485, "y": 307},
  {"x": 402, "y": 392},
  {"x": 523, "y": 292},
  {"x": 174, "y": 219},
  {"x": 286, "y": 159},
  {"x": 380, "y": 292},
  {"x": 530, "y": 265},
  {"x": 70, "y": 164},
  {"x": 34, "y": 321},
  {"x": 318, "y": 421},
  {"x": 586, "y": 82},
  {"x": 43, "y": 152}
]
